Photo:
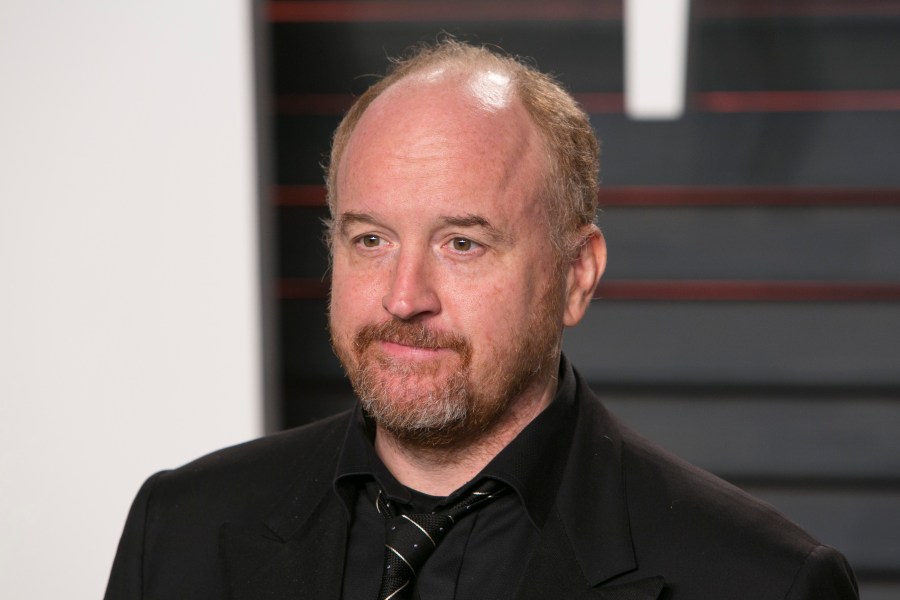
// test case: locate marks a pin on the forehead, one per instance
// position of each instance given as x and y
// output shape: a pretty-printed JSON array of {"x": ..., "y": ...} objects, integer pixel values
[{"x": 443, "y": 137}]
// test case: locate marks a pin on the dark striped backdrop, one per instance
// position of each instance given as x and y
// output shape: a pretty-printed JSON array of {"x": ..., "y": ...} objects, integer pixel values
[{"x": 750, "y": 317}]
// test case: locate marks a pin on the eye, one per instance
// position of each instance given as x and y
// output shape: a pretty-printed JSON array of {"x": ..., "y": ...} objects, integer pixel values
[
  {"x": 461, "y": 244},
  {"x": 369, "y": 241}
]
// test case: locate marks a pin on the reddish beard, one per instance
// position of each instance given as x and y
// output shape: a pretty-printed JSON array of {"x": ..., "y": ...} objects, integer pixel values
[
  {"x": 436, "y": 403},
  {"x": 422, "y": 402}
]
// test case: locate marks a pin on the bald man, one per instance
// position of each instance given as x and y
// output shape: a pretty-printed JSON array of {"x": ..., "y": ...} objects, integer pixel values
[{"x": 477, "y": 464}]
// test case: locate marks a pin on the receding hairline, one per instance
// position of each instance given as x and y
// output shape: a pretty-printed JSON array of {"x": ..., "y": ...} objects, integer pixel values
[
  {"x": 454, "y": 59},
  {"x": 563, "y": 128}
]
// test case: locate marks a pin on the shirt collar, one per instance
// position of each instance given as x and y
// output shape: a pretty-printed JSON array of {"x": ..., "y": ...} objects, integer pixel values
[{"x": 532, "y": 464}]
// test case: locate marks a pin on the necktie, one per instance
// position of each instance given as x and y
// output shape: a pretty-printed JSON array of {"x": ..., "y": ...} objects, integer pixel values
[{"x": 410, "y": 539}]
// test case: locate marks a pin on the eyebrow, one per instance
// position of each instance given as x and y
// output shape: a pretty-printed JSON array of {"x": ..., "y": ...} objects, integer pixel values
[
  {"x": 344, "y": 220},
  {"x": 472, "y": 220},
  {"x": 348, "y": 218}
]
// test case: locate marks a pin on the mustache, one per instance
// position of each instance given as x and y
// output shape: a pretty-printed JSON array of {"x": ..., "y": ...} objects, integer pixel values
[{"x": 416, "y": 335}]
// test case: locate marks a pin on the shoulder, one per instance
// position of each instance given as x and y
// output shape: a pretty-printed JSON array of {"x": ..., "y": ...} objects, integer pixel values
[
  {"x": 676, "y": 495},
  {"x": 709, "y": 538},
  {"x": 720, "y": 536},
  {"x": 252, "y": 474},
  {"x": 666, "y": 494},
  {"x": 170, "y": 545}
]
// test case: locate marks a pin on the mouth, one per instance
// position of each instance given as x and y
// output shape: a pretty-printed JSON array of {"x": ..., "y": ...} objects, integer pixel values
[{"x": 408, "y": 352}]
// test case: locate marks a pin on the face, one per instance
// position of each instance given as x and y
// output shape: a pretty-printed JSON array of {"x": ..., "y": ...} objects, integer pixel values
[{"x": 446, "y": 304}]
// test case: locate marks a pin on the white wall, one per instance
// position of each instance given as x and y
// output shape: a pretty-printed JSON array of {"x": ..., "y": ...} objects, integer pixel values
[{"x": 129, "y": 326}]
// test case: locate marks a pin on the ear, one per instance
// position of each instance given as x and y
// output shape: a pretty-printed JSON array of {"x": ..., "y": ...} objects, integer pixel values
[{"x": 583, "y": 274}]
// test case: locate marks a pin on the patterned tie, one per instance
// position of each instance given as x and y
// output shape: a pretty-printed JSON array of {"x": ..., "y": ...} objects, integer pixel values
[{"x": 410, "y": 539}]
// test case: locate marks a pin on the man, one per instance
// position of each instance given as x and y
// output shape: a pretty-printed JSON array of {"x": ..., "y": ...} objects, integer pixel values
[{"x": 478, "y": 465}]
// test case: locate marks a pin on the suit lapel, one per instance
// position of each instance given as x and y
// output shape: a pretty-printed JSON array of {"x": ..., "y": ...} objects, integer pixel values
[
  {"x": 297, "y": 550},
  {"x": 585, "y": 549},
  {"x": 554, "y": 572},
  {"x": 309, "y": 565}
]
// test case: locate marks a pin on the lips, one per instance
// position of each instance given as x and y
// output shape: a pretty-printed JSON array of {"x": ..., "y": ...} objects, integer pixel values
[{"x": 408, "y": 352}]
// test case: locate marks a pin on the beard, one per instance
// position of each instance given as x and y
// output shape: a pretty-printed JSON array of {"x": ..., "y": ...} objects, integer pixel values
[{"x": 448, "y": 402}]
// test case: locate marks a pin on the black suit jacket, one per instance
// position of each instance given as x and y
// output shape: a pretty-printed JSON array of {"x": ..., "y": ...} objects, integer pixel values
[{"x": 631, "y": 522}]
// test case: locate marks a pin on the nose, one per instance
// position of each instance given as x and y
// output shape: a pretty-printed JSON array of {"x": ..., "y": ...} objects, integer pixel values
[{"x": 412, "y": 292}]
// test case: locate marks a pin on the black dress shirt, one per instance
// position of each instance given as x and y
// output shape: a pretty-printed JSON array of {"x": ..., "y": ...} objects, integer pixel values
[{"x": 484, "y": 555}]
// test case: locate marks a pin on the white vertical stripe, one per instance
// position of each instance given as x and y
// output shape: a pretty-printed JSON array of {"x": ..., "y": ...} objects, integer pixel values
[
  {"x": 655, "y": 58},
  {"x": 128, "y": 320}
]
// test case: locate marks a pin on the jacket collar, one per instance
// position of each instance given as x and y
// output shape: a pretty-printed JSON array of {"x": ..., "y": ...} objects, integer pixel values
[
  {"x": 590, "y": 557},
  {"x": 297, "y": 549},
  {"x": 594, "y": 486}
]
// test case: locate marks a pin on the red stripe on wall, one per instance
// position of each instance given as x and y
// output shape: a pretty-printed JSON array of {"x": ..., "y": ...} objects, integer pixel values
[
  {"x": 303, "y": 289},
  {"x": 685, "y": 291},
  {"x": 417, "y": 10},
  {"x": 628, "y": 196},
  {"x": 300, "y": 195},
  {"x": 796, "y": 101},
  {"x": 337, "y": 104},
  {"x": 794, "y": 8},
  {"x": 601, "y": 102},
  {"x": 748, "y": 291},
  {"x": 614, "y": 102},
  {"x": 324, "y": 11}
]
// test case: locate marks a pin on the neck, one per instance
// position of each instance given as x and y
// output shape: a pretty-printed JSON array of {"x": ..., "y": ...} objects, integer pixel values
[{"x": 441, "y": 471}]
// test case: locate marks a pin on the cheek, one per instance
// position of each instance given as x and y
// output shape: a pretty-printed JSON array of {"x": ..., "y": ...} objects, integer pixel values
[
  {"x": 350, "y": 299},
  {"x": 492, "y": 310},
  {"x": 357, "y": 281}
]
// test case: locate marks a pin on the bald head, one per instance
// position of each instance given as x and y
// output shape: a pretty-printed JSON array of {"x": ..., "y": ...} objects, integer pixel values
[{"x": 492, "y": 84}]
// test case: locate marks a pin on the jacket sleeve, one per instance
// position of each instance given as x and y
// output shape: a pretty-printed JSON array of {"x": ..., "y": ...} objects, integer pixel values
[
  {"x": 825, "y": 575},
  {"x": 126, "y": 578}
]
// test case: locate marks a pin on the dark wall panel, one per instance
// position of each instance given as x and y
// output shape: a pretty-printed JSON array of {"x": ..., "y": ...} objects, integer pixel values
[
  {"x": 864, "y": 525},
  {"x": 691, "y": 343},
  {"x": 587, "y": 54},
  {"x": 761, "y": 243},
  {"x": 842, "y": 149},
  {"x": 773, "y": 436},
  {"x": 796, "y": 53}
]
